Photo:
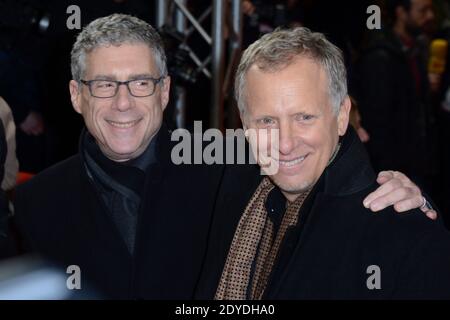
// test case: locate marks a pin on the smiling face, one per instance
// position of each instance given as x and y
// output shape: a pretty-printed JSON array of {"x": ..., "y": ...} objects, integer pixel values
[
  {"x": 295, "y": 100},
  {"x": 123, "y": 125}
]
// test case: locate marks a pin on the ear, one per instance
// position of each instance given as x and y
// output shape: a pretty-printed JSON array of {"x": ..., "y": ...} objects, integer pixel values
[
  {"x": 75, "y": 95},
  {"x": 344, "y": 115},
  {"x": 165, "y": 91}
]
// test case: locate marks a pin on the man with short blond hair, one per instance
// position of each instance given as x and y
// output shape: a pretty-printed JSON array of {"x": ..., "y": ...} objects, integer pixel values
[{"x": 303, "y": 231}]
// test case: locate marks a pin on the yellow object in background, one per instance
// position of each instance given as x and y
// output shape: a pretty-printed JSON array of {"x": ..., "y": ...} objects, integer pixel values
[{"x": 438, "y": 56}]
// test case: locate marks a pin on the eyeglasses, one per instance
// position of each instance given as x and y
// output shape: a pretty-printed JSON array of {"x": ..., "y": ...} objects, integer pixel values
[{"x": 108, "y": 88}]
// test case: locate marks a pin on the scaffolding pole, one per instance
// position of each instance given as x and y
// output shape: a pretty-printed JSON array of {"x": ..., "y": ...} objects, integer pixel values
[{"x": 215, "y": 65}]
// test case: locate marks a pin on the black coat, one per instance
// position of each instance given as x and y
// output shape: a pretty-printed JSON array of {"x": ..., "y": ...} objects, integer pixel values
[
  {"x": 64, "y": 219},
  {"x": 398, "y": 117},
  {"x": 327, "y": 254}
]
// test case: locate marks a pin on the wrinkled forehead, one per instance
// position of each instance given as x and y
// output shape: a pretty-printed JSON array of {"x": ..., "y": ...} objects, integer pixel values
[{"x": 302, "y": 73}]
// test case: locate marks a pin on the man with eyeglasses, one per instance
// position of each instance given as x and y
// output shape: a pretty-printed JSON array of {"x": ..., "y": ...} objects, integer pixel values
[{"x": 134, "y": 223}]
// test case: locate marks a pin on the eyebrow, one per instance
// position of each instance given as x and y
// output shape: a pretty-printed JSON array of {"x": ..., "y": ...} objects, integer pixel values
[
  {"x": 304, "y": 113},
  {"x": 140, "y": 76},
  {"x": 104, "y": 77}
]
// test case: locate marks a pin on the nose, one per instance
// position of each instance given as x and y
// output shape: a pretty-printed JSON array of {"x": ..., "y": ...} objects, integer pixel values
[
  {"x": 123, "y": 99},
  {"x": 287, "y": 139}
]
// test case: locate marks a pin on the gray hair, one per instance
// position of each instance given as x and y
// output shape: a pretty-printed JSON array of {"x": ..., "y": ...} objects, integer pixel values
[
  {"x": 116, "y": 29},
  {"x": 276, "y": 50}
]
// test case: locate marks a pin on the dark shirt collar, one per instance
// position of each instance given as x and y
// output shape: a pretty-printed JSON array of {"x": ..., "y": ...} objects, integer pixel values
[
  {"x": 129, "y": 173},
  {"x": 141, "y": 162},
  {"x": 276, "y": 204},
  {"x": 350, "y": 171}
]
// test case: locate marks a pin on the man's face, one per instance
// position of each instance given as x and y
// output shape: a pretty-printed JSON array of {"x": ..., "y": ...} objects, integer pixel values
[
  {"x": 420, "y": 14},
  {"x": 295, "y": 100},
  {"x": 123, "y": 125}
]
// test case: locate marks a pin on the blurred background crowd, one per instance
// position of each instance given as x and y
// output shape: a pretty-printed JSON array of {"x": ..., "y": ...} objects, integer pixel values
[{"x": 397, "y": 75}]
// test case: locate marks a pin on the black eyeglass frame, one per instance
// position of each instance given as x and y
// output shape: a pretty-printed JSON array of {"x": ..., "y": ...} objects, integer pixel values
[{"x": 155, "y": 81}]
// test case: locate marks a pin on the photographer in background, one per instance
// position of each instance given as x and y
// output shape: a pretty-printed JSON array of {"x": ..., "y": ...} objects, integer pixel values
[
  {"x": 394, "y": 95},
  {"x": 22, "y": 49}
]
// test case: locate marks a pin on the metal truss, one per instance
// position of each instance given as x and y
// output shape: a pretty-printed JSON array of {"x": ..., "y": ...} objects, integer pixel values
[{"x": 217, "y": 66}]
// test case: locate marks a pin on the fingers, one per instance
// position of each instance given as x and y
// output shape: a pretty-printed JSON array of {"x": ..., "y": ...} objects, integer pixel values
[
  {"x": 394, "y": 196},
  {"x": 389, "y": 181},
  {"x": 388, "y": 174},
  {"x": 33, "y": 124},
  {"x": 431, "y": 214},
  {"x": 37, "y": 130},
  {"x": 27, "y": 130},
  {"x": 34, "y": 130},
  {"x": 382, "y": 178},
  {"x": 428, "y": 210},
  {"x": 384, "y": 189},
  {"x": 385, "y": 176},
  {"x": 409, "y": 204},
  {"x": 398, "y": 190}
]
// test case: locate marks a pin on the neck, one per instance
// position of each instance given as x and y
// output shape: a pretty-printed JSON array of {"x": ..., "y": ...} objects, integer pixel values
[
  {"x": 119, "y": 159},
  {"x": 291, "y": 197}
]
